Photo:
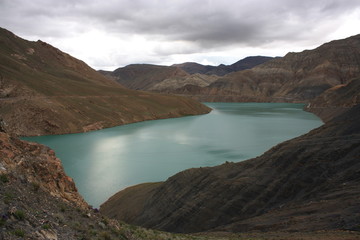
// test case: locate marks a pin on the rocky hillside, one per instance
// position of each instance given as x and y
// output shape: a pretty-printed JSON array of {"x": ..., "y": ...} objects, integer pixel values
[
  {"x": 144, "y": 76},
  {"x": 336, "y": 100},
  {"x": 305, "y": 184},
  {"x": 297, "y": 77},
  {"x": 221, "y": 70},
  {"x": 46, "y": 91}
]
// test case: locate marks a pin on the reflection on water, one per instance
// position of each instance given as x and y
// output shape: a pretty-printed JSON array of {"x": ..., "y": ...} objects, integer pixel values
[{"x": 105, "y": 161}]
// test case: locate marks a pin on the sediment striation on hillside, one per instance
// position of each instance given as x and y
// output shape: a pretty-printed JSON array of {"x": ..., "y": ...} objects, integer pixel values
[
  {"x": 336, "y": 100},
  {"x": 296, "y": 77}
]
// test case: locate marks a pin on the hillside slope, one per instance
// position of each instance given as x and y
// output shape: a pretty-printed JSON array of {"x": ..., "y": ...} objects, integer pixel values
[
  {"x": 145, "y": 76},
  {"x": 305, "y": 184},
  {"x": 335, "y": 100},
  {"x": 46, "y": 91},
  {"x": 297, "y": 77}
]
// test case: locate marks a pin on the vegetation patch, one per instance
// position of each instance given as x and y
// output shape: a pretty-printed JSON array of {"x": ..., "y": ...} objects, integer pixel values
[
  {"x": 19, "y": 215},
  {"x": 4, "y": 178}
]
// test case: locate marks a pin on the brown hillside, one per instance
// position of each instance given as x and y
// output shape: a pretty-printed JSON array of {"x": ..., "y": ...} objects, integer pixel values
[
  {"x": 46, "y": 91},
  {"x": 336, "y": 100},
  {"x": 145, "y": 76}
]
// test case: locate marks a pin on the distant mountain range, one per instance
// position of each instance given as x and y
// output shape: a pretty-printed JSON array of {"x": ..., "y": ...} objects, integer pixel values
[
  {"x": 46, "y": 91},
  {"x": 221, "y": 70},
  {"x": 296, "y": 77},
  {"x": 168, "y": 78}
]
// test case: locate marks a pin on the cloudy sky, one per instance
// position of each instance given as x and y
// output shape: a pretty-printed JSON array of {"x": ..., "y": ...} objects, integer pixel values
[{"x": 108, "y": 34}]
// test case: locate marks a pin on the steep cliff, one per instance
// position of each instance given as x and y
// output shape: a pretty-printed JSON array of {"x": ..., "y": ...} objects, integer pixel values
[
  {"x": 46, "y": 91},
  {"x": 305, "y": 184}
]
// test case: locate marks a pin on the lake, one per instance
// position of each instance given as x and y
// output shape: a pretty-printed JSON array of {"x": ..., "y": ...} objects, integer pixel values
[{"x": 105, "y": 161}]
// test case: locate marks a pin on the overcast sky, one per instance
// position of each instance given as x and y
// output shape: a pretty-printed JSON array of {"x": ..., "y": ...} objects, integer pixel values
[{"x": 108, "y": 34}]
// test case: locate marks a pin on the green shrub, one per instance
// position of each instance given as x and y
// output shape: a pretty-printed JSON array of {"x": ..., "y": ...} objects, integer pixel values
[
  {"x": 2, "y": 222},
  {"x": 4, "y": 178},
  {"x": 46, "y": 226},
  {"x": 19, "y": 215},
  {"x": 8, "y": 197},
  {"x": 19, "y": 232}
]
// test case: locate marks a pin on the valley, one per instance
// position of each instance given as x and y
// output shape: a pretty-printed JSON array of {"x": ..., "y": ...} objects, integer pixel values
[{"x": 303, "y": 188}]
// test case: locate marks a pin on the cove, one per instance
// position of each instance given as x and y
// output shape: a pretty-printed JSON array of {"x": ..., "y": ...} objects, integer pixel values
[{"x": 105, "y": 161}]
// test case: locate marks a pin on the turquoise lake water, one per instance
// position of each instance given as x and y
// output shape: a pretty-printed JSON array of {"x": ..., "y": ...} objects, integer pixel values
[{"x": 106, "y": 161}]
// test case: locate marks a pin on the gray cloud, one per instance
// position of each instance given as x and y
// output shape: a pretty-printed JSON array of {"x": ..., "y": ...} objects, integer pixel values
[{"x": 202, "y": 24}]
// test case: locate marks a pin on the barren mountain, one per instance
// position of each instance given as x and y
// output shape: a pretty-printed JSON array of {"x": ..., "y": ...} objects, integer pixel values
[
  {"x": 297, "y": 77},
  {"x": 221, "y": 70},
  {"x": 46, "y": 91},
  {"x": 145, "y": 76},
  {"x": 168, "y": 79}
]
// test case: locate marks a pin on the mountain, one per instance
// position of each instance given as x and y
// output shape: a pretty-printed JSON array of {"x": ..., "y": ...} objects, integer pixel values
[
  {"x": 144, "y": 76},
  {"x": 221, "y": 70},
  {"x": 46, "y": 91},
  {"x": 296, "y": 77},
  {"x": 309, "y": 183}
]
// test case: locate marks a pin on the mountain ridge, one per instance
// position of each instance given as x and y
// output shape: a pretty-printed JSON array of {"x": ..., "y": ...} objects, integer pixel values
[
  {"x": 166, "y": 79},
  {"x": 296, "y": 77},
  {"x": 222, "y": 69}
]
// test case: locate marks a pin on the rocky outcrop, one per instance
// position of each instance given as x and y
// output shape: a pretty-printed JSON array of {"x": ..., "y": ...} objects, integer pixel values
[
  {"x": 46, "y": 91},
  {"x": 38, "y": 165},
  {"x": 335, "y": 100},
  {"x": 297, "y": 77},
  {"x": 304, "y": 184}
]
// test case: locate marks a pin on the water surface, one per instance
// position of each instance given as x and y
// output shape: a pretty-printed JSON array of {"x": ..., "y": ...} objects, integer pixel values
[{"x": 106, "y": 161}]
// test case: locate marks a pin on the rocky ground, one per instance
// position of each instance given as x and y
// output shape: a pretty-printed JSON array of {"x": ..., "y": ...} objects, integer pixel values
[{"x": 29, "y": 212}]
